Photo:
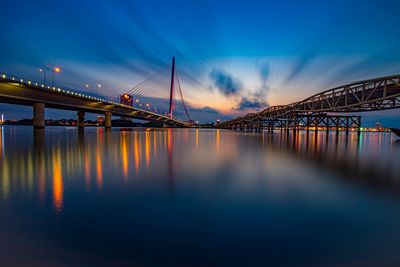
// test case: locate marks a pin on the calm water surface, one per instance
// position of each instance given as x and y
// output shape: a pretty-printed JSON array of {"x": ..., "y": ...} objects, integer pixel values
[{"x": 186, "y": 197}]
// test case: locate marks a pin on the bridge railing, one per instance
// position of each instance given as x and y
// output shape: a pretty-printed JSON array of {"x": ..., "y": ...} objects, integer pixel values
[{"x": 72, "y": 93}]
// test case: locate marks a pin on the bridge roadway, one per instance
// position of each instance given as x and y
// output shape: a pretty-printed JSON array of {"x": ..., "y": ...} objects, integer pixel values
[
  {"x": 23, "y": 92},
  {"x": 368, "y": 95}
]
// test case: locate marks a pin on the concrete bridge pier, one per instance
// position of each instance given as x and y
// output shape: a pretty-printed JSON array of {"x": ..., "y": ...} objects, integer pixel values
[
  {"x": 107, "y": 122},
  {"x": 81, "y": 119},
  {"x": 38, "y": 115}
]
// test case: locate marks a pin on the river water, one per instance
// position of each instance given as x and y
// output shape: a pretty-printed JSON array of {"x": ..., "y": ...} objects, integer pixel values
[{"x": 187, "y": 197}]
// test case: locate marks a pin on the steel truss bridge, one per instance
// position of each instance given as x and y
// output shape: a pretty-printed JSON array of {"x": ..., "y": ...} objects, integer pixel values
[
  {"x": 15, "y": 90},
  {"x": 323, "y": 109}
]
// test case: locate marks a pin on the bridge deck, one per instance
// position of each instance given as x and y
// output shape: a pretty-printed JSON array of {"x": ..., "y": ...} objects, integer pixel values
[
  {"x": 369, "y": 95},
  {"x": 27, "y": 93}
]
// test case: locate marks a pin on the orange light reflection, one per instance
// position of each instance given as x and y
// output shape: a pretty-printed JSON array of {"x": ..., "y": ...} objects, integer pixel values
[
  {"x": 124, "y": 156},
  {"x": 147, "y": 149},
  {"x": 99, "y": 170},
  {"x": 136, "y": 151},
  {"x": 58, "y": 186}
]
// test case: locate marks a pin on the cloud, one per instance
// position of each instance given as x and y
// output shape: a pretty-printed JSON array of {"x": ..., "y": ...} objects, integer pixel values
[
  {"x": 256, "y": 101},
  {"x": 208, "y": 110},
  {"x": 225, "y": 82},
  {"x": 264, "y": 73},
  {"x": 251, "y": 103},
  {"x": 203, "y": 114},
  {"x": 264, "y": 88},
  {"x": 302, "y": 62}
]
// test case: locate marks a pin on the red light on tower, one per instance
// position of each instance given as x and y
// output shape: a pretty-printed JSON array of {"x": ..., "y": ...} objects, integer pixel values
[{"x": 126, "y": 99}]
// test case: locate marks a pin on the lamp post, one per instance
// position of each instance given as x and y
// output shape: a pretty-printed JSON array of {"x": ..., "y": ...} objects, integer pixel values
[
  {"x": 55, "y": 70},
  {"x": 98, "y": 86},
  {"x": 87, "y": 86},
  {"x": 44, "y": 75}
]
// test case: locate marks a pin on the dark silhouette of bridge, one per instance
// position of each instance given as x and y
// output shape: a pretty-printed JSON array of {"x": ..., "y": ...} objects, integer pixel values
[
  {"x": 14, "y": 90},
  {"x": 326, "y": 109}
]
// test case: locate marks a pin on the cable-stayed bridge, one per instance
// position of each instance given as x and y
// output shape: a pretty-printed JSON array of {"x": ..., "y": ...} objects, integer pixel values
[
  {"x": 138, "y": 102},
  {"x": 326, "y": 109}
]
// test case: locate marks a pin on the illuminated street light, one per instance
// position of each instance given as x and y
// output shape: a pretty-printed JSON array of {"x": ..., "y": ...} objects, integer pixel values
[
  {"x": 55, "y": 70},
  {"x": 44, "y": 75},
  {"x": 98, "y": 86}
]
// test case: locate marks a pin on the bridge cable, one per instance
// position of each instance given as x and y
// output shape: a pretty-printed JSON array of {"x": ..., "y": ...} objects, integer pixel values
[
  {"x": 180, "y": 92},
  {"x": 148, "y": 78}
]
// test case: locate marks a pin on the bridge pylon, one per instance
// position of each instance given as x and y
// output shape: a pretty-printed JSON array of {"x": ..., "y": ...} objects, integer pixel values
[{"x": 171, "y": 93}]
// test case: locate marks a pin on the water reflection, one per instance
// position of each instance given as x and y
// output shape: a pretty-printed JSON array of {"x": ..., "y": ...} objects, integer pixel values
[
  {"x": 171, "y": 173},
  {"x": 99, "y": 169},
  {"x": 168, "y": 189},
  {"x": 40, "y": 163},
  {"x": 58, "y": 184},
  {"x": 136, "y": 151},
  {"x": 369, "y": 159},
  {"x": 124, "y": 156},
  {"x": 147, "y": 148},
  {"x": 217, "y": 139}
]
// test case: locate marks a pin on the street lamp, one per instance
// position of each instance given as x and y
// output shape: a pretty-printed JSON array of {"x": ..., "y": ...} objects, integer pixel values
[
  {"x": 44, "y": 75},
  {"x": 97, "y": 86},
  {"x": 55, "y": 70}
]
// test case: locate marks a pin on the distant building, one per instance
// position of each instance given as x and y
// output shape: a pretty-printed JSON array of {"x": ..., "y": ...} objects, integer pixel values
[
  {"x": 218, "y": 122},
  {"x": 378, "y": 126}
]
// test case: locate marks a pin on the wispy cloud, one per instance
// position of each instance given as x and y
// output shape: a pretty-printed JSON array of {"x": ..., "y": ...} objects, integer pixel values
[
  {"x": 225, "y": 82},
  {"x": 257, "y": 100},
  {"x": 253, "y": 104},
  {"x": 300, "y": 65}
]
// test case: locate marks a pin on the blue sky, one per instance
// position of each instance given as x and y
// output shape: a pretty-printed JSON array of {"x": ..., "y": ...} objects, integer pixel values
[{"x": 233, "y": 57}]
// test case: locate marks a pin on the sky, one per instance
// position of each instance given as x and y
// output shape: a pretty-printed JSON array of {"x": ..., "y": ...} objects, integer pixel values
[{"x": 232, "y": 57}]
